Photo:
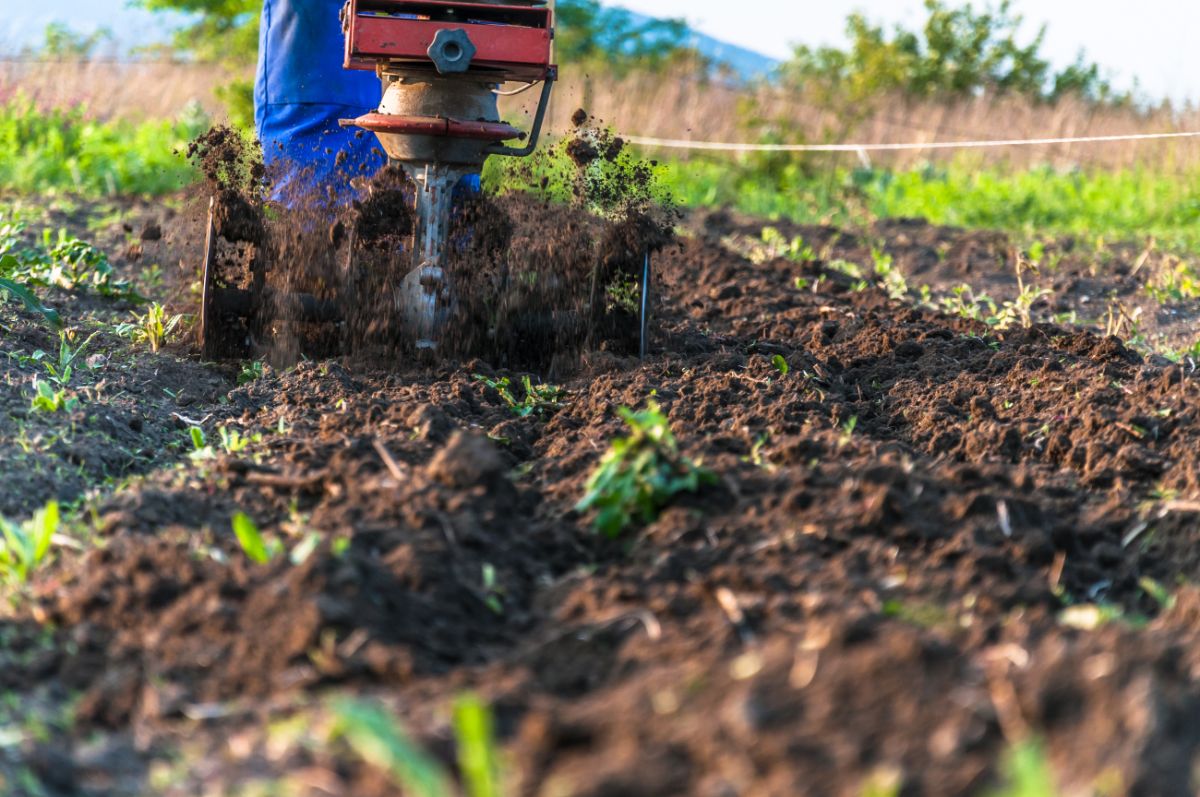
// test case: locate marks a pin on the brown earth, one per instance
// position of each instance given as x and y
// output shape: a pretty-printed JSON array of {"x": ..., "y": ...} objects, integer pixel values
[{"x": 870, "y": 601}]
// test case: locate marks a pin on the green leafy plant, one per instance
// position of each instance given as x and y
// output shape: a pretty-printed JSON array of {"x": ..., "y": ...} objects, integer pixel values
[
  {"x": 24, "y": 546},
  {"x": 23, "y": 294},
  {"x": 62, "y": 368},
  {"x": 889, "y": 277},
  {"x": 773, "y": 245},
  {"x": 49, "y": 149},
  {"x": 492, "y": 591},
  {"x": 251, "y": 372},
  {"x": 62, "y": 260},
  {"x": 49, "y": 400},
  {"x": 256, "y": 547},
  {"x": 541, "y": 400},
  {"x": 376, "y": 736},
  {"x": 234, "y": 442},
  {"x": 1027, "y": 773},
  {"x": 478, "y": 759},
  {"x": 640, "y": 474},
  {"x": 153, "y": 327}
]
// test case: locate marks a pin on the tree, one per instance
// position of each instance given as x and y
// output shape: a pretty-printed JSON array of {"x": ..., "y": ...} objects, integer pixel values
[
  {"x": 588, "y": 32},
  {"x": 959, "y": 52},
  {"x": 225, "y": 33},
  {"x": 60, "y": 42}
]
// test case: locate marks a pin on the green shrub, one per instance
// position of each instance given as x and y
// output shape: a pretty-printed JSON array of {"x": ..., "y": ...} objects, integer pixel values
[
  {"x": 65, "y": 149},
  {"x": 23, "y": 546},
  {"x": 640, "y": 474}
]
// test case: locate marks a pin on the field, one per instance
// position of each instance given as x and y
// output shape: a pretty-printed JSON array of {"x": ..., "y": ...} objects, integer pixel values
[{"x": 901, "y": 501}]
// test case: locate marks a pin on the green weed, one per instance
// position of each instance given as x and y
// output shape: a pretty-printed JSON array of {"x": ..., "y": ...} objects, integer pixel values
[
  {"x": 67, "y": 149},
  {"x": 153, "y": 328},
  {"x": 25, "y": 545},
  {"x": 62, "y": 368},
  {"x": 1178, "y": 283},
  {"x": 1026, "y": 772},
  {"x": 478, "y": 759},
  {"x": 541, "y": 400},
  {"x": 49, "y": 400},
  {"x": 640, "y": 474},
  {"x": 256, "y": 547},
  {"x": 251, "y": 371},
  {"x": 377, "y": 737},
  {"x": 25, "y": 296}
]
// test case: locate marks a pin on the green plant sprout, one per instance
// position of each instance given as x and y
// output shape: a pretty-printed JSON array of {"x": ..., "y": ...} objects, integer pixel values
[
  {"x": 251, "y": 371},
  {"x": 48, "y": 400},
  {"x": 478, "y": 759},
  {"x": 24, "y": 295},
  {"x": 541, "y": 400},
  {"x": 24, "y": 546},
  {"x": 890, "y": 278},
  {"x": 640, "y": 474},
  {"x": 376, "y": 736},
  {"x": 781, "y": 365},
  {"x": 62, "y": 368},
  {"x": 492, "y": 591},
  {"x": 153, "y": 328},
  {"x": 256, "y": 547},
  {"x": 774, "y": 245}
]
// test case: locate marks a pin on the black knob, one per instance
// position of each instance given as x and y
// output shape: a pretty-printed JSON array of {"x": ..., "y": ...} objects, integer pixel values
[{"x": 452, "y": 51}]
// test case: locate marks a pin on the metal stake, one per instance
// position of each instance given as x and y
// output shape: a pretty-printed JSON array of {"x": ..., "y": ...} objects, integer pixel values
[{"x": 645, "y": 318}]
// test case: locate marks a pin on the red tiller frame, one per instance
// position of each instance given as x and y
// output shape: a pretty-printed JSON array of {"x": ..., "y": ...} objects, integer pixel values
[
  {"x": 513, "y": 42},
  {"x": 437, "y": 126}
]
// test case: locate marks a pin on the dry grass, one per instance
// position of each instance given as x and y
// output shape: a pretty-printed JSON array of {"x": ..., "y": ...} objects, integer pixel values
[
  {"x": 114, "y": 89},
  {"x": 682, "y": 106}
]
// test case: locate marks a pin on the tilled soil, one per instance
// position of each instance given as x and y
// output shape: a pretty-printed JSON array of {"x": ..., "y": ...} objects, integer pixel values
[{"x": 932, "y": 543}]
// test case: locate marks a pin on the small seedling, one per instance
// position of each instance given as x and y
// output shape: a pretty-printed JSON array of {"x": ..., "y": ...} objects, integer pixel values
[
  {"x": 493, "y": 592},
  {"x": 254, "y": 545},
  {"x": 24, "y": 546},
  {"x": 234, "y": 442},
  {"x": 26, "y": 297},
  {"x": 781, "y": 365},
  {"x": 640, "y": 474},
  {"x": 848, "y": 429},
  {"x": 377, "y": 737},
  {"x": 890, "y": 278},
  {"x": 153, "y": 328},
  {"x": 251, "y": 372},
  {"x": 47, "y": 399},
  {"x": 62, "y": 368},
  {"x": 478, "y": 758},
  {"x": 1026, "y": 772},
  {"x": 541, "y": 400},
  {"x": 775, "y": 244}
]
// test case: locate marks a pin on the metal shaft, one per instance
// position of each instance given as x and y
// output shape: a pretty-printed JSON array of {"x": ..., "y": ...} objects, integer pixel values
[{"x": 426, "y": 298}]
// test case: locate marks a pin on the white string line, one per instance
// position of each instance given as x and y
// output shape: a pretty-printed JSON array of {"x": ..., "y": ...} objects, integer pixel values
[{"x": 670, "y": 143}]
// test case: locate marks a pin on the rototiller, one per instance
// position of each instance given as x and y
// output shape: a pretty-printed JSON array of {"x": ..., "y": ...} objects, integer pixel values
[{"x": 443, "y": 65}]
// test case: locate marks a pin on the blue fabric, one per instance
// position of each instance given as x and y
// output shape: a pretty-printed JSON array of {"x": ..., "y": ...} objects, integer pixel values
[{"x": 300, "y": 92}]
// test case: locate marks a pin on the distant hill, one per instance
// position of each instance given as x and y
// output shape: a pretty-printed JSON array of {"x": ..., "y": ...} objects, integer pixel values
[{"x": 746, "y": 63}]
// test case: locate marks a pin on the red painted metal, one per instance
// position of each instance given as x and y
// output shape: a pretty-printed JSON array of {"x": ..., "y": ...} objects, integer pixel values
[
  {"x": 437, "y": 126},
  {"x": 513, "y": 42}
]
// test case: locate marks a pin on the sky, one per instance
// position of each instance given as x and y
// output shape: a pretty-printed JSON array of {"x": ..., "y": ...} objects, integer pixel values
[{"x": 1151, "y": 41}]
